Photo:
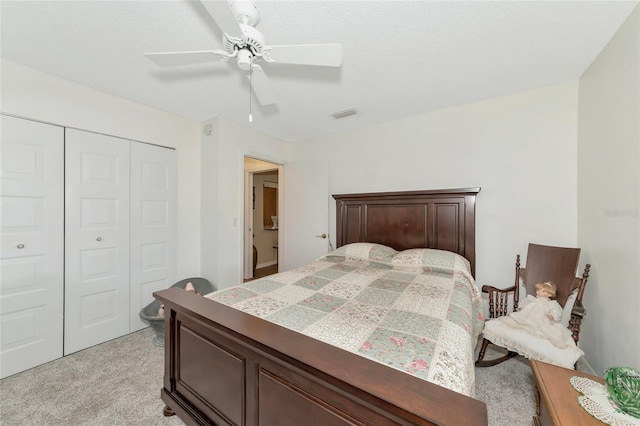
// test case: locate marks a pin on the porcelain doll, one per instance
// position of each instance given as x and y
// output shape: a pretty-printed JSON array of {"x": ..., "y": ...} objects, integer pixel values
[{"x": 540, "y": 315}]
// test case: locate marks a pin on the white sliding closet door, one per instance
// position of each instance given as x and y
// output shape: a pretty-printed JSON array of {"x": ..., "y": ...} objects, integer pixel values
[
  {"x": 31, "y": 250},
  {"x": 97, "y": 239},
  {"x": 153, "y": 225}
]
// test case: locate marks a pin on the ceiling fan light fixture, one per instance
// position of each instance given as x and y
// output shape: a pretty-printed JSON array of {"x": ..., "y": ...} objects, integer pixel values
[
  {"x": 344, "y": 113},
  {"x": 245, "y": 59}
]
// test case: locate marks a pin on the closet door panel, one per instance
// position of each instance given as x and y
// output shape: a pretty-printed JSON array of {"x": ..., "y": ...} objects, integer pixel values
[
  {"x": 97, "y": 239},
  {"x": 153, "y": 229},
  {"x": 31, "y": 247}
]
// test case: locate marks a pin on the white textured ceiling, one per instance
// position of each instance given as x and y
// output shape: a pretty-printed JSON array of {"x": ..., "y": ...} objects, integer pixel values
[{"x": 400, "y": 58}]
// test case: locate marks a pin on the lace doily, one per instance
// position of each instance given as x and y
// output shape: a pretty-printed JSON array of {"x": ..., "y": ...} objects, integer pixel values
[{"x": 596, "y": 401}]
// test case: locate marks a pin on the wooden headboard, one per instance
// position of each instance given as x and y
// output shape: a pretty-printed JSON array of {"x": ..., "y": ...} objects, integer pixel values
[{"x": 439, "y": 219}]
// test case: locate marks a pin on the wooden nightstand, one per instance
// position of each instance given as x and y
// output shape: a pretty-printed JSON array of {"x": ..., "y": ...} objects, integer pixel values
[{"x": 556, "y": 400}]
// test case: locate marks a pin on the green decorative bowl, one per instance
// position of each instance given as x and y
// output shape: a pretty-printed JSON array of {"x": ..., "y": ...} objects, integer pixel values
[{"x": 623, "y": 384}]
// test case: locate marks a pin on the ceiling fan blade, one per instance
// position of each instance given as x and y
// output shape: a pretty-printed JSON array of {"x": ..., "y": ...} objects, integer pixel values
[
  {"x": 171, "y": 59},
  {"x": 222, "y": 14},
  {"x": 261, "y": 86},
  {"x": 328, "y": 55}
]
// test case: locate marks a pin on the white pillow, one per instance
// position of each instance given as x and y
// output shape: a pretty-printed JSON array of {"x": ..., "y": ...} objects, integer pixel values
[
  {"x": 431, "y": 260},
  {"x": 367, "y": 251},
  {"x": 566, "y": 312}
]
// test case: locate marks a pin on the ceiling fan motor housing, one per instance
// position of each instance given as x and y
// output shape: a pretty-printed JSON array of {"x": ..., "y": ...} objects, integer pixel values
[{"x": 251, "y": 46}]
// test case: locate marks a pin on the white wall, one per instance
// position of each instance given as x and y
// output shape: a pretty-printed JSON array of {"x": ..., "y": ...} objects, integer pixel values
[
  {"x": 223, "y": 153},
  {"x": 609, "y": 200},
  {"x": 32, "y": 94},
  {"x": 520, "y": 149}
]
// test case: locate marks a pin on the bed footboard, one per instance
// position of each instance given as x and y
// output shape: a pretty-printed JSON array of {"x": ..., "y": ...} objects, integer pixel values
[{"x": 225, "y": 367}]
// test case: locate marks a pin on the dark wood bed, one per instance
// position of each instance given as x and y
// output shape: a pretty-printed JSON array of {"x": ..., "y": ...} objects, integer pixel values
[{"x": 226, "y": 367}]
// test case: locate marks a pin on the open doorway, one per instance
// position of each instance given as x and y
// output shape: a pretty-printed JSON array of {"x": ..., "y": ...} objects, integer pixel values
[{"x": 262, "y": 218}]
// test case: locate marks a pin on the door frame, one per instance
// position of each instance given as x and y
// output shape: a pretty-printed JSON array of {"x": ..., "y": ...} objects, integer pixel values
[{"x": 247, "y": 225}]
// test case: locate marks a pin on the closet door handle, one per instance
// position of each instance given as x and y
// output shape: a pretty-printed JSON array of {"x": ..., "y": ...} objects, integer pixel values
[
  {"x": 99, "y": 239},
  {"x": 20, "y": 246}
]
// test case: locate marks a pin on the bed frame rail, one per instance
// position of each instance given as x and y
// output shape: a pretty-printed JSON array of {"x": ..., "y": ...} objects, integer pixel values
[{"x": 225, "y": 367}]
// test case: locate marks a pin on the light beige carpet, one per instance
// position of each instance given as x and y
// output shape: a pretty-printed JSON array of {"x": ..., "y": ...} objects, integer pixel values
[{"x": 114, "y": 383}]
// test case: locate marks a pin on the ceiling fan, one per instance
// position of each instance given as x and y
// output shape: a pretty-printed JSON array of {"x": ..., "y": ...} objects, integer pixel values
[{"x": 244, "y": 43}]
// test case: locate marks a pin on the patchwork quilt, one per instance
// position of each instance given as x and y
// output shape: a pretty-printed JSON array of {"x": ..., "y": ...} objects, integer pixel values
[{"x": 416, "y": 310}]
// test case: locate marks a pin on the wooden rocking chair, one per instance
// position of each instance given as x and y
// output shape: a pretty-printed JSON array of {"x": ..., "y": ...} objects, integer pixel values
[{"x": 544, "y": 263}]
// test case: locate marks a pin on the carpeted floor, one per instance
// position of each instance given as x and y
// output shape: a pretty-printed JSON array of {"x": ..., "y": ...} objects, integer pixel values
[
  {"x": 80, "y": 389},
  {"x": 508, "y": 391}
]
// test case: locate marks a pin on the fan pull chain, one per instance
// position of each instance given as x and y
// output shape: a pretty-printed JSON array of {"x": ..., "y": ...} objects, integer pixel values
[{"x": 250, "y": 86}]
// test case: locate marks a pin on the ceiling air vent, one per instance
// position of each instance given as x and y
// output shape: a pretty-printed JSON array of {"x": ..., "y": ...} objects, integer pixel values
[{"x": 344, "y": 113}]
